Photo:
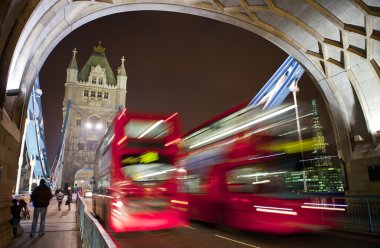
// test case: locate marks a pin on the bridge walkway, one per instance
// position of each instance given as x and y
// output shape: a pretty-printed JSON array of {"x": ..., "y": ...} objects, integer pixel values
[{"x": 61, "y": 229}]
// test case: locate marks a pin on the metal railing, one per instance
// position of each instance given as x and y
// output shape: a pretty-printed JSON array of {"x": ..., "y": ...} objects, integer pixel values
[
  {"x": 362, "y": 214},
  {"x": 92, "y": 232}
]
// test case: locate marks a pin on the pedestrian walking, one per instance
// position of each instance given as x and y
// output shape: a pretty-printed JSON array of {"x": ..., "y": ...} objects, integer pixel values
[
  {"x": 16, "y": 217},
  {"x": 69, "y": 197},
  {"x": 59, "y": 195},
  {"x": 41, "y": 196}
]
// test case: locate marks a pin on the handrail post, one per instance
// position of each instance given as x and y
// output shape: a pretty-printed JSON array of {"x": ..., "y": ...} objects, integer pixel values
[{"x": 369, "y": 215}]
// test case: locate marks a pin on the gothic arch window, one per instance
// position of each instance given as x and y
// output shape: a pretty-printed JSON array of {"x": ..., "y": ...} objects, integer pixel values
[
  {"x": 85, "y": 93},
  {"x": 93, "y": 93},
  {"x": 106, "y": 95},
  {"x": 100, "y": 94},
  {"x": 94, "y": 80},
  {"x": 101, "y": 81}
]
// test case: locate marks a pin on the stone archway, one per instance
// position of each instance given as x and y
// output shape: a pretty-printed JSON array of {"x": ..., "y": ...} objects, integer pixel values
[{"x": 335, "y": 42}]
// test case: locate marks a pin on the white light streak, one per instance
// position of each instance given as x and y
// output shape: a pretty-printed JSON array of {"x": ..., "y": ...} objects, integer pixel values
[
  {"x": 263, "y": 174},
  {"x": 266, "y": 117},
  {"x": 268, "y": 156},
  {"x": 236, "y": 241},
  {"x": 276, "y": 211},
  {"x": 155, "y": 173},
  {"x": 261, "y": 182},
  {"x": 150, "y": 128}
]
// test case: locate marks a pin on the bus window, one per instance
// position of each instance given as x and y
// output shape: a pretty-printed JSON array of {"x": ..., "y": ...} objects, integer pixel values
[
  {"x": 253, "y": 179},
  {"x": 147, "y": 167},
  {"x": 103, "y": 183}
]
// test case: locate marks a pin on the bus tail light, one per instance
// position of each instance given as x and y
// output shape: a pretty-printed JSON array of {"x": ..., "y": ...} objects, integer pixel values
[{"x": 179, "y": 205}]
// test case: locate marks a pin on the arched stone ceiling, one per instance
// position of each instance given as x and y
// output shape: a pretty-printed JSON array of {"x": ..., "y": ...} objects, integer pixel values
[{"x": 337, "y": 42}]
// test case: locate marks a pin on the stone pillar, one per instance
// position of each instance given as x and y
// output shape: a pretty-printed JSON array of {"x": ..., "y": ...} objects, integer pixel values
[{"x": 10, "y": 138}]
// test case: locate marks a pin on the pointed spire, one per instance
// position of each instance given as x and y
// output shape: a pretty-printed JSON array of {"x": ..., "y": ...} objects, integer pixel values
[
  {"x": 73, "y": 62},
  {"x": 121, "y": 70}
]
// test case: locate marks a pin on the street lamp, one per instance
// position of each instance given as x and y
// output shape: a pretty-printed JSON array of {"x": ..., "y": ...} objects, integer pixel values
[
  {"x": 294, "y": 89},
  {"x": 88, "y": 125},
  {"x": 98, "y": 125}
]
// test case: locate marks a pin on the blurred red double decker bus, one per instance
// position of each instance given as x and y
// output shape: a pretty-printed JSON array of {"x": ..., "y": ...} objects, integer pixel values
[
  {"x": 135, "y": 177},
  {"x": 244, "y": 170}
]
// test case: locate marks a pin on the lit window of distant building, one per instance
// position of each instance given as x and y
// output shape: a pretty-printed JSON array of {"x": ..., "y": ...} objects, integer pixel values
[
  {"x": 85, "y": 93},
  {"x": 100, "y": 95},
  {"x": 94, "y": 80},
  {"x": 105, "y": 95},
  {"x": 92, "y": 93}
]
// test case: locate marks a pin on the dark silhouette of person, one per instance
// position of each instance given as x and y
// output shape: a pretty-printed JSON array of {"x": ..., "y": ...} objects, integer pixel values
[
  {"x": 59, "y": 195},
  {"x": 41, "y": 198},
  {"x": 16, "y": 216},
  {"x": 69, "y": 197}
]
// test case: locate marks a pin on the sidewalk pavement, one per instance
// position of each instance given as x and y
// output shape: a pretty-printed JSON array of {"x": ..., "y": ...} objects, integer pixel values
[{"x": 60, "y": 229}]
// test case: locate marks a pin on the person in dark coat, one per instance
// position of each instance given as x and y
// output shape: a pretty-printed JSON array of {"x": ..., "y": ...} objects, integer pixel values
[
  {"x": 69, "y": 197},
  {"x": 59, "y": 195},
  {"x": 41, "y": 196},
  {"x": 16, "y": 216}
]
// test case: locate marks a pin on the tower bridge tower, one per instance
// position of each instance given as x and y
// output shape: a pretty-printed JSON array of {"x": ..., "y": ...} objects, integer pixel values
[{"x": 96, "y": 96}]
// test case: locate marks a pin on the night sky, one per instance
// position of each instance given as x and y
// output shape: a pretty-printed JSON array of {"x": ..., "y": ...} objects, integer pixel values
[{"x": 174, "y": 62}]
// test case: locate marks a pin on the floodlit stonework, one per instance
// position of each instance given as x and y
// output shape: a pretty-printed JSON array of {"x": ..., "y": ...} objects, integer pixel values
[{"x": 96, "y": 95}]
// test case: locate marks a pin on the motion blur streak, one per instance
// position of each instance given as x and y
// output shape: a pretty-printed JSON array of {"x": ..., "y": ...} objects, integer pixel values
[
  {"x": 258, "y": 120},
  {"x": 326, "y": 204},
  {"x": 138, "y": 178},
  {"x": 150, "y": 129},
  {"x": 170, "y": 117},
  {"x": 276, "y": 211},
  {"x": 325, "y": 208},
  {"x": 122, "y": 114},
  {"x": 286, "y": 209},
  {"x": 236, "y": 241},
  {"x": 179, "y": 202},
  {"x": 173, "y": 142},
  {"x": 118, "y": 204},
  {"x": 260, "y": 182},
  {"x": 268, "y": 156},
  {"x": 122, "y": 140}
]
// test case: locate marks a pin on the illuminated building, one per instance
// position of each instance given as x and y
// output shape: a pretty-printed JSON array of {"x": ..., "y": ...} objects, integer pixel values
[
  {"x": 323, "y": 171},
  {"x": 96, "y": 96}
]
